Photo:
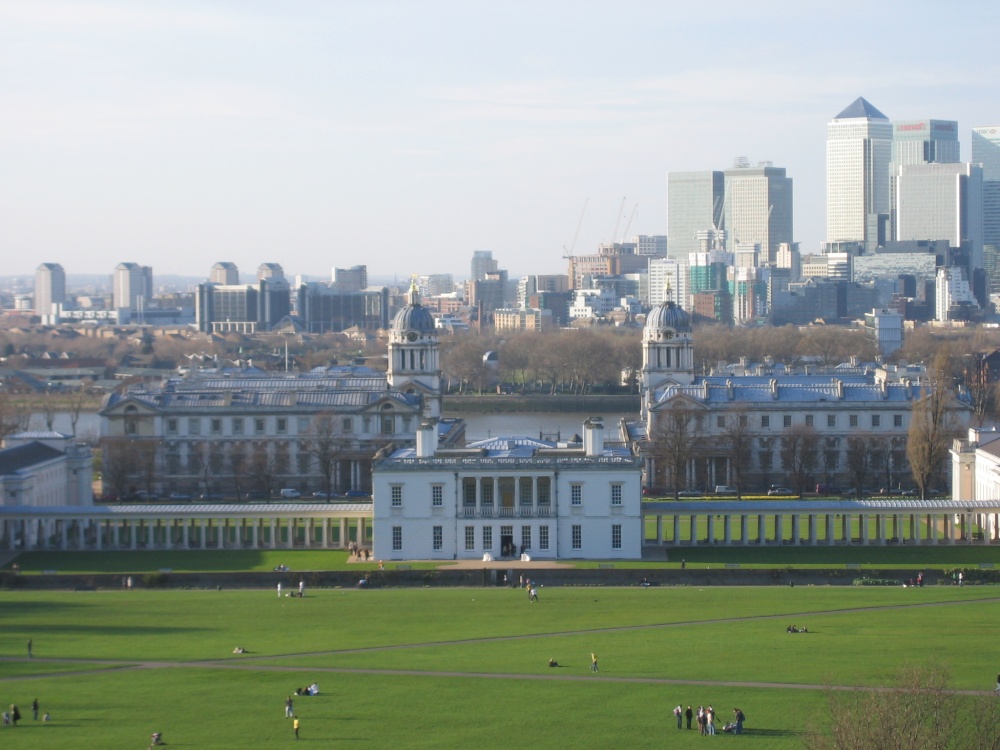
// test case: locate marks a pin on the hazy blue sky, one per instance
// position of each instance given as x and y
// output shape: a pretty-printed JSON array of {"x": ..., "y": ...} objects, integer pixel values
[{"x": 405, "y": 135}]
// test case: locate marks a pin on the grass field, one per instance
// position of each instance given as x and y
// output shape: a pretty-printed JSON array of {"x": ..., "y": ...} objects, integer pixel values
[{"x": 467, "y": 668}]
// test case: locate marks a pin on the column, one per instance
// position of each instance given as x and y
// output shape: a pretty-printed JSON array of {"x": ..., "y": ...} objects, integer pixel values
[
  {"x": 693, "y": 528},
  {"x": 115, "y": 530},
  {"x": 813, "y": 541},
  {"x": 362, "y": 531},
  {"x": 761, "y": 530},
  {"x": 949, "y": 528},
  {"x": 881, "y": 520},
  {"x": 779, "y": 531},
  {"x": 133, "y": 534},
  {"x": 169, "y": 532},
  {"x": 933, "y": 527},
  {"x": 659, "y": 529},
  {"x": 677, "y": 529},
  {"x": 710, "y": 536},
  {"x": 274, "y": 543},
  {"x": 744, "y": 529},
  {"x": 863, "y": 528},
  {"x": 185, "y": 534},
  {"x": 81, "y": 537},
  {"x": 150, "y": 538},
  {"x": 795, "y": 529},
  {"x": 203, "y": 533},
  {"x": 63, "y": 535},
  {"x": 99, "y": 538},
  {"x": 831, "y": 527},
  {"x": 728, "y": 529},
  {"x": 848, "y": 531},
  {"x": 343, "y": 533},
  {"x": 326, "y": 533},
  {"x": 308, "y": 532},
  {"x": 292, "y": 524},
  {"x": 238, "y": 531},
  {"x": 255, "y": 533}
]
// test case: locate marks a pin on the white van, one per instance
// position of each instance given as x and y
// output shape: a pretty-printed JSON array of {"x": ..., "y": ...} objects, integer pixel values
[{"x": 290, "y": 493}]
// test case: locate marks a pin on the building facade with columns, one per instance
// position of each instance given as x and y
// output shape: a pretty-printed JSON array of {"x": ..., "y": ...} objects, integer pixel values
[
  {"x": 45, "y": 469},
  {"x": 508, "y": 497},
  {"x": 741, "y": 428},
  {"x": 236, "y": 432}
]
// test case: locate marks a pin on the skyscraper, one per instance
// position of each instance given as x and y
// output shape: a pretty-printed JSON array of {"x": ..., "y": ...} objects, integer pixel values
[
  {"x": 482, "y": 264},
  {"x": 353, "y": 279},
  {"x": 758, "y": 207},
  {"x": 50, "y": 288},
  {"x": 858, "y": 151},
  {"x": 986, "y": 152},
  {"x": 695, "y": 202},
  {"x": 132, "y": 286},
  {"x": 925, "y": 142}
]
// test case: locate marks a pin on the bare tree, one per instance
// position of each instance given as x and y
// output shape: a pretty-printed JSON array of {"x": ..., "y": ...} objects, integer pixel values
[
  {"x": 77, "y": 398},
  {"x": 322, "y": 444},
  {"x": 982, "y": 392},
  {"x": 673, "y": 444},
  {"x": 799, "y": 455},
  {"x": 918, "y": 712},
  {"x": 118, "y": 462},
  {"x": 14, "y": 415},
  {"x": 737, "y": 441},
  {"x": 860, "y": 456},
  {"x": 933, "y": 425},
  {"x": 262, "y": 469}
]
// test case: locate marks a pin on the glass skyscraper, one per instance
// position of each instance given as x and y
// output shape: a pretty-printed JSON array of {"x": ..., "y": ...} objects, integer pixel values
[
  {"x": 986, "y": 151},
  {"x": 694, "y": 203}
]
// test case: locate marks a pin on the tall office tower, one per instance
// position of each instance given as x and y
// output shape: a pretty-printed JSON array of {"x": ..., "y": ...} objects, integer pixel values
[
  {"x": 668, "y": 282},
  {"x": 50, "y": 288},
  {"x": 789, "y": 257},
  {"x": 436, "y": 283},
  {"x": 650, "y": 244},
  {"x": 986, "y": 152},
  {"x": 224, "y": 272},
  {"x": 758, "y": 206},
  {"x": 482, "y": 264},
  {"x": 695, "y": 202},
  {"x": 920, "y": 142},
  {"x": 270, "y": 271},
  {"x": 353, "y": 279},
  {"x": 131, "y": 286},
  {"x": 858, "y": 151},
  {"x": 942, "y": 202}
]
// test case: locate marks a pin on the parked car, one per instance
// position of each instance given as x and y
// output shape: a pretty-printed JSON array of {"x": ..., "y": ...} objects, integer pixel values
[
  {"x": 290, "y": 493},
  {"x": 323, "y": 495},
  {"x": 724, "y": 489},
  {"x": 780, "y": 491},
  {"x": 689, "y": 493},
  {"x": 827, "y": 489},
  {"x": 654, "y": 492},
  {"x": 211, "y": 496},
  {"x": 179, "y": 496},
  {"x": 357, "y": 493}
]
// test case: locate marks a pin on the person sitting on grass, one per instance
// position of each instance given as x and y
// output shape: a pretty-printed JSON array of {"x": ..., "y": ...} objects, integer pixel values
[{"x": 553, "y": 663}]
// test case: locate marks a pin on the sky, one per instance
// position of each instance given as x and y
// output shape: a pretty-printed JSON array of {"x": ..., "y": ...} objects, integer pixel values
[{"x": 406, "y": 135}]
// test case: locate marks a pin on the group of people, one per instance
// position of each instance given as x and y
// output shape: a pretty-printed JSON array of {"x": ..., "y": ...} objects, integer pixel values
[
  {"x": 13, "y": 715},
  {"x": 794, "y": 629},
  {"x": 706, "y": 719},
  {"x": 311, "y": 690},
  {"x": 300, "y": 593},
  {"x": 290, "y": 705},
  {"x": 359, "y": 552}
]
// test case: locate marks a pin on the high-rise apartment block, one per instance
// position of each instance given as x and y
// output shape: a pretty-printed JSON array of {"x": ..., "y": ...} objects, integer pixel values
[
  {"x": 668, "y": 282},
  {"x": 225, "y": 272},
  {"x": 50, "y": 289},
  {"x": 353, "y": 279},
  {"x": 858, "y": 151},
  {"x": 132, "y": 287},
  {"x": 650, "y": 244},
  {"x": 695, "y": 202},
  {"x": 482, "y": 264}
]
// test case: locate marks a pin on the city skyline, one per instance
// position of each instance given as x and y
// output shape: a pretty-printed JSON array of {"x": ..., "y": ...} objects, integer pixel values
[{"x": 407, "y": 136}]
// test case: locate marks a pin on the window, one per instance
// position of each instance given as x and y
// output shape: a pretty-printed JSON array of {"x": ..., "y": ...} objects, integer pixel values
[
  {"x": 576, "y": 494},
  {"x": 543, "y": 537},
  {"x": 487, "y": 537},
  {"x": 282, "y": 425},
  {"x": 616, "y": 494},
  {"x": 387, "y": 425},
  {"x": 876, "y": 420},
  {"x": 765, "y": 421},
  {"x": 852, "y": 420},
  {"x": 258, "y": 425},
  {"x": 171, "y": 426},
  {"x": 577, "y": 537},
  {"x": 470, "y": 538},
  {"x": 438, "y": 537},
  {"x": 544, "y": 490},
  {"x": 305, "y": 463},
  {"x": 397, "y": 538},
  {"x": 897, "y": 420},
  {"x": 831, "y": 420},
  {"x": 809, "y": 420},
  {"x": 525, "y": 538},
  {"x": 486, "y": 488},
  {"x": 527, "y": 490},
  {"x": 396, "y": 493},
  {"x": 786, "y": 420},
  {"x": 616, "y": 536},
  {"x": 469, "y": 491},
  {"x": 766, "y": 460},
  {"x": 237, "y": 426},
  {"x": 720, "y": 422},
  {"x": 194, "y": 426},
  {"x": 345, "y": 425},
  {"x": 437, "y": 495},
  {"x": 216, "y": 426},
  {"x": 744, "y": 420},
  {"x": 302, "y": 425}
]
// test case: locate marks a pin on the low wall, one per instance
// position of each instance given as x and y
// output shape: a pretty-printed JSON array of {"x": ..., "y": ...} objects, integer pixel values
[{"x": 466, "y": 577}]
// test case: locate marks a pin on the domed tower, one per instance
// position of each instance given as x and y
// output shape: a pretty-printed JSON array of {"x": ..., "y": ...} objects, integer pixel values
[
  {"x": 667, "y": 348},
  {"x": 414, "y": 353}
]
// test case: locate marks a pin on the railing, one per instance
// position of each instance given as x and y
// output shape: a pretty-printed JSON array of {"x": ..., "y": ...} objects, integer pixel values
[{"x": 542, "y": 511}]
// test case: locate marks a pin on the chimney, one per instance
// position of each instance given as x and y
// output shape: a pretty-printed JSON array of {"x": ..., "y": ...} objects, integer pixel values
[
  {"x": 427, "y": 438},
  {"x": 593, "y": 436}
]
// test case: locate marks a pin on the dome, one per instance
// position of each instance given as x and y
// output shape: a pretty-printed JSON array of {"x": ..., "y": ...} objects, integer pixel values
[
  {"x": 414, "y": 318},
  {"x": 668, "y": 315}
]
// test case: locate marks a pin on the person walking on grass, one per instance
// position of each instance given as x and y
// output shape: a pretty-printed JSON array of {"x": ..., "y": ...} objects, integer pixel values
[
  {"x": 679, "y": 713},
  {"x": 295, "y": 726},
  {"x": 593, "y": 663},
  {"x": 289, "y": 704},
  {"x": 34, "y": 708},
  {"x": 30, "y": 654}
]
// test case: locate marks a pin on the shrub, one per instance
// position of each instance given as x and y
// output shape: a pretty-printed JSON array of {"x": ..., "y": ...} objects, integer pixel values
[{"x": 876, "y": 582}]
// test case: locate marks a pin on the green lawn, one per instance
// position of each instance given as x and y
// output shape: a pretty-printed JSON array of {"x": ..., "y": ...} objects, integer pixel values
[{"x": 456, "y": 668}]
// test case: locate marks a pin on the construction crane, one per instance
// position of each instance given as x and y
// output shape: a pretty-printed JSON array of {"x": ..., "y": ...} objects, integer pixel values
[
  {"x": 621, "y": 208},
  {"x": 630, "y": 218},
  {"x": 568, "y": 252}
]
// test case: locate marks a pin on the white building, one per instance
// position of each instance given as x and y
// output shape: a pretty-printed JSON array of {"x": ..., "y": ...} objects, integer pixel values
[
  {"x": 50, "y": 289},
  {"x": 45, "y": 469},
  {"x": 858, "y": 151},
  {"x": 952, "y": 292},
  {"x": 668, "y": 280},
  {"x": 508, "y": 497}
]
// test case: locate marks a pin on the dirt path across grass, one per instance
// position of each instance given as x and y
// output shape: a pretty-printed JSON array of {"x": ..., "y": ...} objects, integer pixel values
[{"x": 259, "y": 663}]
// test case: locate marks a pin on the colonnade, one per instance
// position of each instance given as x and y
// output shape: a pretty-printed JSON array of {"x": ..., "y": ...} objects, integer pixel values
[
  {"x": 148, "y": 527},
  {"x": 812, "y": 523}
]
